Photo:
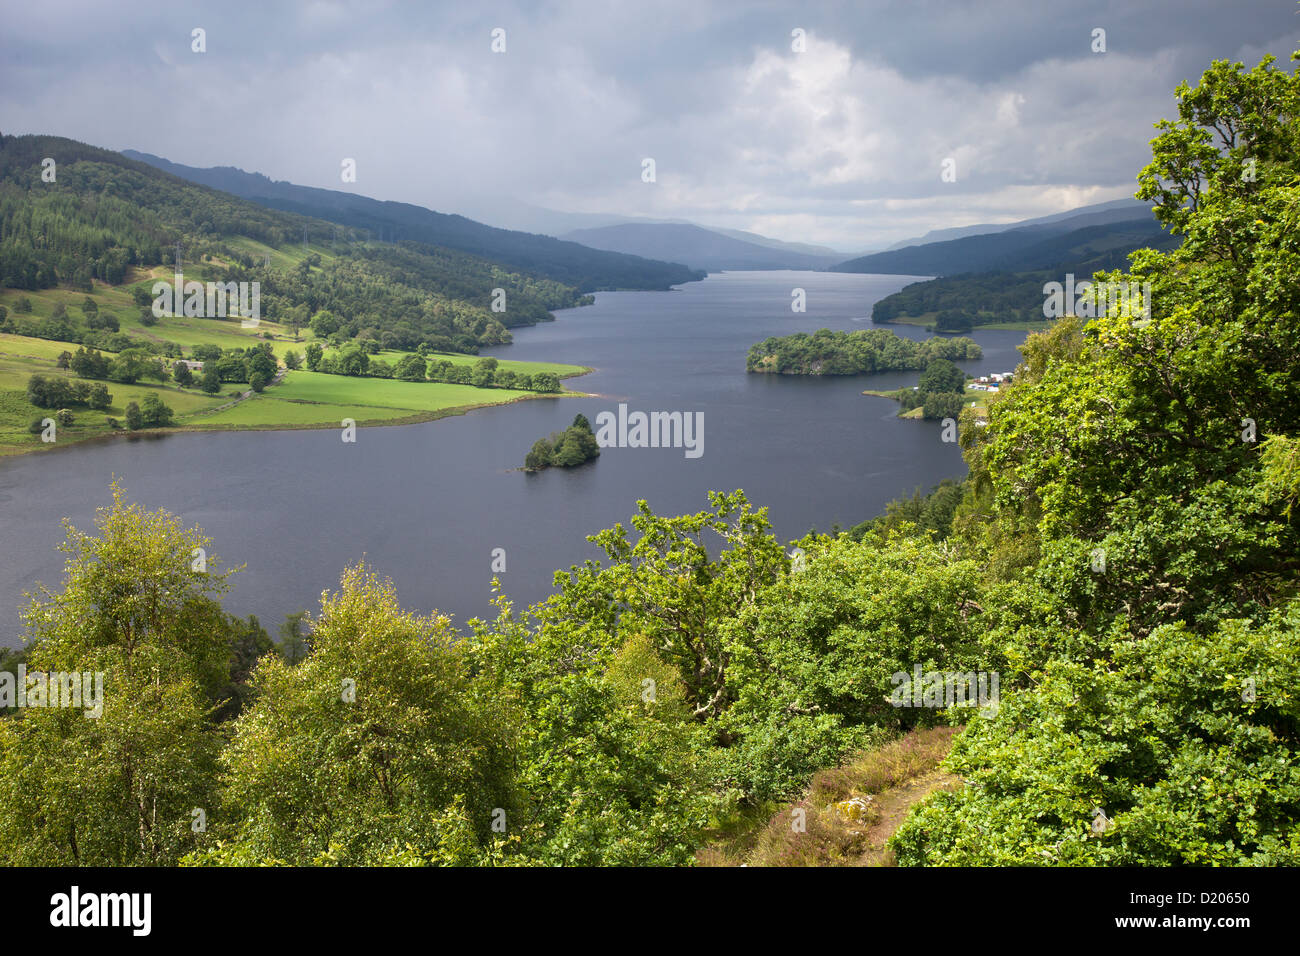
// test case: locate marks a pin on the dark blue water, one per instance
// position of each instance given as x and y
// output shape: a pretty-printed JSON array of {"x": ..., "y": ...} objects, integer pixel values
[{"x": 427, "y": 504}]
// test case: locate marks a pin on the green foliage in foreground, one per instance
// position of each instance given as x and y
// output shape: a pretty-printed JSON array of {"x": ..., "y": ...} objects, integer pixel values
[
  {"x": 1136, "y": 491},
  {"x": 120, "y": 788},
  {"x": 1173, "y": 749},
  {"x": 380, "y": 742},
  {"x": 931, "y": 512}
]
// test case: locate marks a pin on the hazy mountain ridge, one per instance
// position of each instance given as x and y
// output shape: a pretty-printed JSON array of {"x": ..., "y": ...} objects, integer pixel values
[
  {"x": 701, "y": 248},
  {"x": 1114, "y": 211},
  {"x": 109, "y": 217},
  {"x": 568, "y": 262},
  {"x": 1016, "y": 250}
]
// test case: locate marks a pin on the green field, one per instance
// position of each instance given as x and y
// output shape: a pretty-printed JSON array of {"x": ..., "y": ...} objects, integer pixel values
[
  {"x": 22, "y": 346},
  {"x": 16, "y": 412},
  {"x": 392, "y": 357},
  {"x": 304, "y": 386},
  {"x": 224, "y": 333},
  {"x": 979, "y": 399},
  {"x": 304, "y": 399},
  {"x": 184, "y": 331},
  {"x": 267, "y": 412},
  {"x": 189, "y": 331},
  {"x": 314, "y": 398},
  {"x": 286, "y": 258}
]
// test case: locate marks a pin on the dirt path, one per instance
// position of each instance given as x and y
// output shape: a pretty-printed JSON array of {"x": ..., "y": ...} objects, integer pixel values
[{"x": 893, "y": 806}]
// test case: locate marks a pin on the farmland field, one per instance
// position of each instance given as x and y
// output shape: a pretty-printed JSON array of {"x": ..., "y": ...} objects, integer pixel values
[{"x": 314, "y": 398}]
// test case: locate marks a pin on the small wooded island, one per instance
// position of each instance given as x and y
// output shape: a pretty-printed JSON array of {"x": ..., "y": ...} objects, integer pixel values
[
  {"x": 939, "y": 394},
  {"x": 576, "y": 445},
  {"x": 859, "y": 352}
]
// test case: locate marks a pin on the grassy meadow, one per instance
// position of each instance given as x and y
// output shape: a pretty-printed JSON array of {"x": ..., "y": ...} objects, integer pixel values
[
  {"x": 314, "y": 398},
  {"x": 302, "y": 400}
]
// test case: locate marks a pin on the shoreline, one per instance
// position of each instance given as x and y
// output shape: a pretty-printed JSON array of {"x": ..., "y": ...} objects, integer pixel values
[
  {"x": 911, "y": 414},
  {"x": 415, "y": 418},
  {"x": 920, "y": 322}
]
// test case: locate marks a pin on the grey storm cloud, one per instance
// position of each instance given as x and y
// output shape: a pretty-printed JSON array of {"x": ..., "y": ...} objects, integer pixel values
[{"x": 841, "y": 144}]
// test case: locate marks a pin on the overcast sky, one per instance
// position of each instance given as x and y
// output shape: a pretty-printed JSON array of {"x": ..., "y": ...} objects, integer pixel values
[{"x": 841, "y": 145}]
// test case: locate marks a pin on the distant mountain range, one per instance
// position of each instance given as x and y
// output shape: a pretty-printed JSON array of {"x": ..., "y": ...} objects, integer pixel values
[
  {"x": 509, "y": 213},
  {"x": 802, "y": 247},
  {"x": 1116, "y": 210},
  {"x": 614, "y": 253},
  {"x": 589, "y": 269},
  {"x": 707, "y": 249},
  {"x": 999, "y": 277},
  {"x": 1086, "y": 242},
  {"x": 1100, "y": 235}
]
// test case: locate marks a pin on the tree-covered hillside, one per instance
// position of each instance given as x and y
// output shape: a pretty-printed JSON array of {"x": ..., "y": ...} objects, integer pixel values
[
  {"x": 998, "y": 278},
  {"x": 104, "y": 214},
  {"x": 962, "y": 302},
  {"x": 1133, "y": 498},
  {"x": 585, "y": 268},
  {"x": 1031, "y": 248},
  {"x": 87, "y": 235}
]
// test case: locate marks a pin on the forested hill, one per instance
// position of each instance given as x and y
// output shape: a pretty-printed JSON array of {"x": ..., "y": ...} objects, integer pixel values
[
  {"x": 110, "y": 218},
  {"x": 1116, "y": 210},
  {"x": 996, "y": 278},
  {"x": 1086, "y": 250},
  {"x": 589, "y": 270},
  {"x": 961, "y": 302}
]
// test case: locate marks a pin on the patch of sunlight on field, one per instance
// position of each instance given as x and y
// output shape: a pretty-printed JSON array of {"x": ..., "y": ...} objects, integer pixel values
[
  {"x": 189, "y": 331},
  {"x": 385, "y": 393},
  {"x": 314, "y": 398},
  {"x": 265, "y": 411},
  {"x": 24, "y": 345},
  {"x": 392, "y": 357}
]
